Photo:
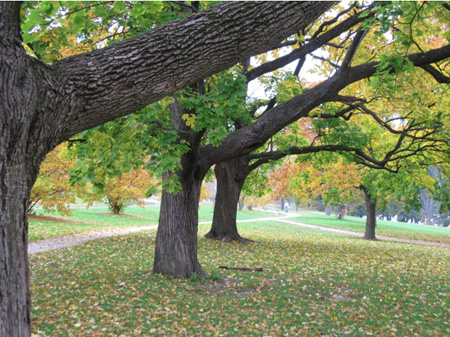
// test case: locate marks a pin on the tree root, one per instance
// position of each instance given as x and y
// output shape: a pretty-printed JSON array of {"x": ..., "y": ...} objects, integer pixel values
[{"x": 229, "y": 238}]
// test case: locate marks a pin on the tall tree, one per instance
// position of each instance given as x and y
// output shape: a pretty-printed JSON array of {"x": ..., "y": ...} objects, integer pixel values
[
  {"x": 235, "y": 171},
  {"x": 43, "y": 105}
]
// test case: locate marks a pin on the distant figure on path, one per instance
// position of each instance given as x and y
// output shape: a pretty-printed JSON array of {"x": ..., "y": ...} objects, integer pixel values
[{"x": 286, "y": 206}]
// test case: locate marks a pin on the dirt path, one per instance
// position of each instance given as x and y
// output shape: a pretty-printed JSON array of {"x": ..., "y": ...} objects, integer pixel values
[
  {"x": 67, "y": 241},
  {"x": 379, "y": 237},
  {"x": 72, "y": 240}
]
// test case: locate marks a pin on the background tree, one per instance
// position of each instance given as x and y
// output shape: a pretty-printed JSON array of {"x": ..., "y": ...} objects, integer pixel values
[
  {"x": 333, "y": 181},
  {"x": 52, "y": 190},
  {"x": 120, "y": 191},
  {"x": 204, "y": 192}
]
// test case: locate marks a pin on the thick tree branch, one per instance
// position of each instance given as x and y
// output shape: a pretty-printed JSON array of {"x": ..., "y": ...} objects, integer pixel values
[
  {"x": 251, "y": 137},
  {"x": 438, "y": 76},
  {"x": 299, "y": 66},
  {"x": 353, "y": 47},
  {"x": 114, "y": 81}
]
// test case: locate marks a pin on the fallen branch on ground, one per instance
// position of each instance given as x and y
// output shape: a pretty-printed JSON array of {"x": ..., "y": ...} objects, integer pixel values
[{"x": 241, "y": 268}]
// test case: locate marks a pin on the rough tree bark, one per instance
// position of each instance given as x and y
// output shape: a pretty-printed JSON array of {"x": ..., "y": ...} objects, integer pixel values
[
  {"x": 230, "y": 176},
  {"x": 176, "y": 239},
  {"x": 20, "y": 154},
  {"x": 371, "y": 210},
  {"x": 43, "y": 105}
]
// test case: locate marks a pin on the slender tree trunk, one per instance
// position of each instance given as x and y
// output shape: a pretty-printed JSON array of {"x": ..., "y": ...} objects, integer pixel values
[
  {"x": 282, "y": 204},
  {"x": 341, "y": 212},
  {"x": 241, "y": 203},
  {"x": 371, "y": 210},
  {"x": 328, "y": 210},
  {"x": 230, "y": 177},
  {"x": 115, "y": 207},
  {"x": 176, "y": 240}
]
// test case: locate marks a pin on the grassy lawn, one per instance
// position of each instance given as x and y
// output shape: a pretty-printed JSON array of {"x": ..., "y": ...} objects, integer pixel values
[
  {"x": 97, "y": 218},
  {"x": 386, "y": 228},
  {"x": 50, "y": 225},
  {"x": 81, "y": 221},
  {"x": 314, "y": 283}
]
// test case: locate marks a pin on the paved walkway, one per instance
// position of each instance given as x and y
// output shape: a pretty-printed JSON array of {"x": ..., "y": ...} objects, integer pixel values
[{"x": 67, "y": 241}]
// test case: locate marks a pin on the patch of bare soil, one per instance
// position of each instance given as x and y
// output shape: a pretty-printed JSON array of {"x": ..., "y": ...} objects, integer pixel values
[{"x": 52, "y": 218}]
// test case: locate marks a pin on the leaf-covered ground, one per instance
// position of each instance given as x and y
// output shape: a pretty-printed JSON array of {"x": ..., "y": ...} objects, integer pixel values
[{"x": 314, "y": 284}]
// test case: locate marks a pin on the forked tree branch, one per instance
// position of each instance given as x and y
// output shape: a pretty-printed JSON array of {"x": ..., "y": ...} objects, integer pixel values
[{"x": 307, "y": 48}]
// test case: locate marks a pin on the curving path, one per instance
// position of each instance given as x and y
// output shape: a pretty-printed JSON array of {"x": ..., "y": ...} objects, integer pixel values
[
  {"x": 68, "y": 241},
  {"x": 72, "y": 240}
]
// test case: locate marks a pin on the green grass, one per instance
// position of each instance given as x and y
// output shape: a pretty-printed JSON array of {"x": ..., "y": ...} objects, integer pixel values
[
  {"x": 314, "y": 283},
  {"x": 98, "y": 217},
  {"x": 384, "y": 228},
  {"x": 81, "y": 221},
  {"x": 86, "y": 220}
]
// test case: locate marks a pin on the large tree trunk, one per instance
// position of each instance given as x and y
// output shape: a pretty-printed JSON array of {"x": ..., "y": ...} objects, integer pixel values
[
  {"x": 19, "y": 161},
  {"x": 230, "y": 177},
  {"x": 14, "y": 285},
  {"x": 176, "y": 240},
  {"x": 371, "y": 210}
]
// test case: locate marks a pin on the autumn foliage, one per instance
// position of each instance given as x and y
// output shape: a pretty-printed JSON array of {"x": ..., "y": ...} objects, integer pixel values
[
  {"x": 52, "y": 190},
  {"x": 335, "y": 183},
  {"x": 129, "y": 187}
]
